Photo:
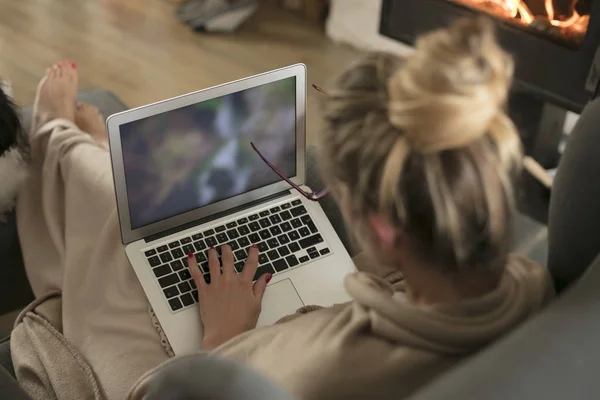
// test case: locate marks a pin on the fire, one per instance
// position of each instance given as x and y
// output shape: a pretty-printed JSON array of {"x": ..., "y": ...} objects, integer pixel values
[{"x": 520, "y": 11}]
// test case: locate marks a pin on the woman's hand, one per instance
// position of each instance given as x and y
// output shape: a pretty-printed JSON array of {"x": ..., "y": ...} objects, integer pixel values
[{"x": 230, "y": 304}]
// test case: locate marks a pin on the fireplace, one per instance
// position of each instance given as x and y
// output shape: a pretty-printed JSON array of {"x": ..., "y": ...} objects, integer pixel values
[{"x": 554, "y": 43}]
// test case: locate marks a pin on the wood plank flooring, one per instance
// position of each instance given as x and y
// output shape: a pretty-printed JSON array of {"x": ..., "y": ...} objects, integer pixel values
[{"x": 140, "y": 51}]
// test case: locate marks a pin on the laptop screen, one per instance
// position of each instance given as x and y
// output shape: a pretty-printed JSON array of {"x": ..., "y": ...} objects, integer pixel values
[{"x": 200, "y": 154}]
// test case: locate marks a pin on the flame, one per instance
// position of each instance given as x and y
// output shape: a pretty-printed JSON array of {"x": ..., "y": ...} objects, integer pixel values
[{"x": 519, "y": 10}]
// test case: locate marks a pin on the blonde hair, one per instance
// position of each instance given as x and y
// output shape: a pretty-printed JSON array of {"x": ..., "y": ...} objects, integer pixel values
[{"x": 426, "y": 142}]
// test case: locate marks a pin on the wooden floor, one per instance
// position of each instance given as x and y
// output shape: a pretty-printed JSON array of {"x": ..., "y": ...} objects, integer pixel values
[{"x": 138, "y": 49}]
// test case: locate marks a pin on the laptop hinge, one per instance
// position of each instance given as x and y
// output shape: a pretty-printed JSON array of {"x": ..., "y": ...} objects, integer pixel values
[{"x": 213, "y": 217}]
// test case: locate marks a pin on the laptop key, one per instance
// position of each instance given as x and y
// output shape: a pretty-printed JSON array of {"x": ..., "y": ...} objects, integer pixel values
[
  {"x": 184, "y": 287},
  {"x": 192, "y": 284},
  {"x": 294, "y": 247},
  {"x": 297, "y": 211},
  {"x": 292, "y": 260},
  {"x": 262, "y": 247},
  {"x": 311, "y": 249},
  {"x": 171, "y": 292},
  {"x": 264, "y": 269},
  {"x": 195, "y": 295},
  {"x": 324, "y": 251},
  {"x": 175, "y": 304},
  {"x": 231, "y": 225},
  {"x": 197, "y": 236},
  {"x": 177, "y": 265},
  {"x": 306, "y": 219},
  {"x": 185, "y": 275},
  {"x": 204, "y": 267},
  {"x": 294, "y": 235},
  {"x": 310, "y": 241},
  {"x": 273, "y": 243},
  {"x": 177, "y": 253},
  {"x": 275, "y": 210},
  {"x": 284, "y": 251},
  {"x": 186, "y": 240},
  {"x": 239, "y": 266},
  {"x": 275, "y": 219},
  {"x": 283, "y": 239},
  {"x": 296, "y": 202},
  {"x": 220, "y": 228},
  {"x": 304, "y": 259},
  {"x": 264, "y": 223},
  {"x": 168, "y": 280},
  {"x": 304, "y": 231},
  {"x": 241, "y": 255},
  {"x": 264, "y": 234},
  {"x": 209, "y": 232},
  {"x": 286, "y": 227},
  {"x": 243, "y": 230},
  {"x": 188, "y": 248},
  {"x": 263, "y": 213},
  {"x": 254, "y": 238},
  {"x": 286, "y": 216},
  {"x": 162, "y": 271},
  {"x": 296, "y": 223},
  {"x": 199, "y": 245},
  {"x": 222, "y": 238},
  {"x": 174, "y": 244},
  {"x": 275, "y": 230},
  {"x": 313, "y": 255},
  {"x": 286, "y": 206},
  {"x": 242, "y": 221},
  {"x": 273, "y": 255},
  {"x": 207, "y": 278},
  {"x": 154, "y": 261},
  {"x": 263, "y": 259},
  {"x": 149, "y": 253},
  {"x": 211, "y": 241},
  {"x": 200, "y": 257},
  {"x": 162, "y": 248},
  {"x": 244, "y": 242},
  {"x": 166, "y": 257},
  {"x": 280, "y": 265},
  {"x": 254, "y": 226},
  {"x": 234, "y": 245},
  {"x": 233, "y": 234},
  {"x": 253, "y": 217},
  {"x": 187, "y": 299}
]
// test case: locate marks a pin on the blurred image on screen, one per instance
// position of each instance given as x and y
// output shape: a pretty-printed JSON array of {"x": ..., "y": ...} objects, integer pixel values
[{"x": 200, "y": 154}]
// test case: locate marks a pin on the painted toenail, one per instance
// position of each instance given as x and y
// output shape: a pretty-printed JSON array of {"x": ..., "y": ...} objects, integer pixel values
[{"x": 74, "y": 65}]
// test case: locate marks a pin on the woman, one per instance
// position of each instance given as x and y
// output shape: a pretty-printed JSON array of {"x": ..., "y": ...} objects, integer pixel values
[{"x": 420, "y": 157}]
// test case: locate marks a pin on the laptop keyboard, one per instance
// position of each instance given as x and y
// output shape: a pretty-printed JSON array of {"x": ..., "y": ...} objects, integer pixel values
[{"x": 286, "y": 237}]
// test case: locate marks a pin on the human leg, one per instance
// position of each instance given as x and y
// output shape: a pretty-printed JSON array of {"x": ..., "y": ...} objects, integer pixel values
[{"x": 70, "y": 235}]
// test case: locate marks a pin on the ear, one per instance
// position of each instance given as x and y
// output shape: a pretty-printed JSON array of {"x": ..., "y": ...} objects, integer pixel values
[{"x": 386, "y": 234}]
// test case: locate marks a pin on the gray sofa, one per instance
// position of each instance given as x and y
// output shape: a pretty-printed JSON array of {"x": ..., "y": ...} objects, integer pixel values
[{"x": 550, "y": 356}]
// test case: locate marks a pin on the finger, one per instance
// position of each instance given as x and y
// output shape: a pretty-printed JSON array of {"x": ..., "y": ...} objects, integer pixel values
[
  {"x": 195, "y": 271},
  {"x": 214, "y": 266},
  {"x": 227, "y": 260},
  {"x": 261, "y": 285},
  {"x": 251, "y": 263}
]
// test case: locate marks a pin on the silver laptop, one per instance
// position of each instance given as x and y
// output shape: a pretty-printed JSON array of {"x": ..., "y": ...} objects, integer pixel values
[{"x": 186, "y": 178}]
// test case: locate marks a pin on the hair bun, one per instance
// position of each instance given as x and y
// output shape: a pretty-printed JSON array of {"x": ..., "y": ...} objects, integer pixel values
[{"x": 452, "y": 88}]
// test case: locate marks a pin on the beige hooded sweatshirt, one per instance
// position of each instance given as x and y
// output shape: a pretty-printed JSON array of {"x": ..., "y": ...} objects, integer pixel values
[{"x": 380, "y": 346}]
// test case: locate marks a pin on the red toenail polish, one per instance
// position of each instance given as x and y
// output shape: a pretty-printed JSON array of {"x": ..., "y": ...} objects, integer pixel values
[{"x": 74, "y": 65}]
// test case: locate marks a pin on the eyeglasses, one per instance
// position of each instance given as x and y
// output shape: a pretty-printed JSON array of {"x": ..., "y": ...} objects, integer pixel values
[{"x": 313, "y": 196}]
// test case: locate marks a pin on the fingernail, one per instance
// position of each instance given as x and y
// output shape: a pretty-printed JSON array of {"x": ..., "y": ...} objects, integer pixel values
[
  {"x": 268, "y": 278},
  {"x": 212, "y": 247},
  {"x": 190, "y": 255},
  {"x": 254, "y": 246}
]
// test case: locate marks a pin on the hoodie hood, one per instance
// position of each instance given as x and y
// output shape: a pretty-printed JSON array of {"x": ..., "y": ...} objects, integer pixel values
[{"x": 456, "y": 328}]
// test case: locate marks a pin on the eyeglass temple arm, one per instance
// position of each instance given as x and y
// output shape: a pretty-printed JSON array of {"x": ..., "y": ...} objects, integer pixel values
[{"x": 298, "y": 188}]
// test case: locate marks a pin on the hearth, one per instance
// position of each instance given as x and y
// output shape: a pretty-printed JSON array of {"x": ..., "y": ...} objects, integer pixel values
[{"x": 554, "y": 43}]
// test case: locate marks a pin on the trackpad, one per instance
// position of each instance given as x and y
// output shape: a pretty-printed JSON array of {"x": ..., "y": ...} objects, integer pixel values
[{"x": 280, "y": 299}]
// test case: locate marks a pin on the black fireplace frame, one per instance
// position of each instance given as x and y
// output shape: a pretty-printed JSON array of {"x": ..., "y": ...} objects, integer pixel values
[{"x": 545, "y": 69}]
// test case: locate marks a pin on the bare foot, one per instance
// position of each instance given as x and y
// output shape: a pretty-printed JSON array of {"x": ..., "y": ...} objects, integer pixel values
[
  {"x": 56, "y": 93},
  {"x": 89, "y": 119}
]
